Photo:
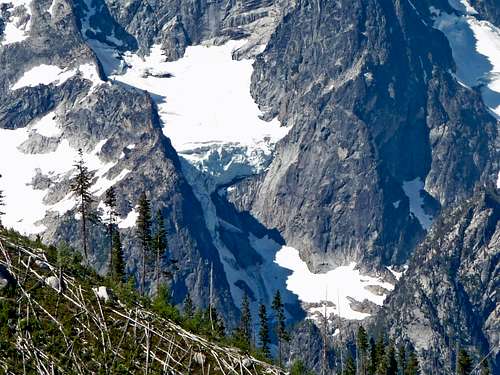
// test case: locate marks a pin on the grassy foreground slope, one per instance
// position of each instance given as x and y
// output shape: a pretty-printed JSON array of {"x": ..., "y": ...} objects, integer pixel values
[{"x": 58, "y": 317}]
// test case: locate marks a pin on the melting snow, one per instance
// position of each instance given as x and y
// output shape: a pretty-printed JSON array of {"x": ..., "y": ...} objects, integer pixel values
[
  {"x": 205, "y": 103},
  {"x": 43, "y": 75},
  {"x": 25, "y": 205},
  {"x": 17, "y": 28},
  {"x": 129, "y": 221},
  {"x": 47, "y": 126},
  {"x": 475, "y": 46},
  {"x": 335, "y": 285},
  {"x": 413, "y": 190},
  {"x": 397, "y": 274}
]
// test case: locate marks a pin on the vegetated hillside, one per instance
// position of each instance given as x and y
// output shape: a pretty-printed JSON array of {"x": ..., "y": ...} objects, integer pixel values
[{"x": 58, "y": 317}]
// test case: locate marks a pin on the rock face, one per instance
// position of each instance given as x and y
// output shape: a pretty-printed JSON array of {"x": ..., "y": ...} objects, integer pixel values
[
  {"x": 449, "y": 295},
  {"x": 383, "y": 138},
  {"x": 367, "y": 90},
  {"x": 487, "y": 9},
  {"x": 122, "y": 124}
]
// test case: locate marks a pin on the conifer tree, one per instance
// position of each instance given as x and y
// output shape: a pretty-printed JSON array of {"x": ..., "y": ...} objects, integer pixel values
[
  {"x": 118, "y": 263},
  {"x": 401, "y": 359},
  {"x": 279, "y": 314},
  {"x": 188, "y": 307},
  {"x": 264, "y": 331},
  {"x": 412, "y": 365},
  {"x": 2, "y": 197},
  {"x": 392, "y": 364},
  {"x": 362, "y": 348},
  {"x": 350, "y": 366},
  {"x": 144, "y": 236},
  {"x": 373, "y": 357},
  {"x": 245, "y": 328},
  {"x": 81, "y": 190},
  {"x": 159, "y": 245},
  {"x": 485, "y": 368},
  {"x": 379, "y": 357},
  {"x": 110, "y": 203},
  {"x": 464, "y": 363}
]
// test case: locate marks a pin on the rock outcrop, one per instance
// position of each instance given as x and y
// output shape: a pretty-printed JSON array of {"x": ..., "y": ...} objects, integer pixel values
[{"x": 448, "y": 298}]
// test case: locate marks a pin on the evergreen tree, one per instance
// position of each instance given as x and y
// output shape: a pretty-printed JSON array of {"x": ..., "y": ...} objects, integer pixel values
[
  {"x": 373, "y": 357},
  {"x": 159, "y": 245},
  {"x": 279, "y": 313},
  {"x": 392, "y": 364},
  {"x": 362, "y": 348},
  {"x": 2, "y": 197},
  {"x": 299, "y": 368},
  {"x": 144, "y": 235},
  {"x": 110, "y": 203},
  {"x": 464, "y": 363},
  {"x": 412, "y": 365},
  {"x": 117, "y": 261},
  {"x": 188, "y": 307},
  {"x": 401, "y": 359},
  {"x": 80, "y": 187},
  {"x": 350, "y": 366},
  {"x": 379, "y": 357},
  {"x": 485, "y": 368},
  {"x": 245, "y": 328},
  {"x": 264, "y": 331}
]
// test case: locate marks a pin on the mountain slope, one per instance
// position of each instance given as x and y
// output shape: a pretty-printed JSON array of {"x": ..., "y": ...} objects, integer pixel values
[
  {"x": 449, "y": 295},
  {"x": 81, "y": 327},
  {"x": 380, "y": 126}
]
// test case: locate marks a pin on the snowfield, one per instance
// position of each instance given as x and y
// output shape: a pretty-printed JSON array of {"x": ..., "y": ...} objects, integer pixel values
[
  {"x": 17, "y": 27},
  {"x": 475, "y": 46},
  {"x": 335, "y": 286},
  {"x": 43, "y": 75},
  {"x": 25, "y": 206},
  {"x": 413, "y": 190},
  {"x": 205, "y": 104}
]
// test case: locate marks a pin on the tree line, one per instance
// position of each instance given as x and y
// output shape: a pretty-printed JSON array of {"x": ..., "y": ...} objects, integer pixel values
[{"x": 379, "y": 356}]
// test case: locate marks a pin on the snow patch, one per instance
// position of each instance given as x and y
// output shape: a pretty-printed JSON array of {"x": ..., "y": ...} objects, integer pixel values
[
  {"x": 17, "y": 27},
  {"x": 47, "y": 126},
  {"x": 129, "y": 221},
  {"x": 397, "y": 274},
  {"x": 413, "y": 191},
  {"x": 335, "y": 286},
  {"x": 43, "y": 75},
  {"x": 226, "y": 115},
  {"x": 25, "y": 206},
  {"x": 475, "y": 46}
]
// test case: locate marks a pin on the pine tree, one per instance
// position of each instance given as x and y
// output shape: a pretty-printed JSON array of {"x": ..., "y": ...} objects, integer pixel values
[
  {"x": 279, "y": 313},
  {"x": 245, "y": 328},
  {"x": 362, "y": 347},
  {"x": 188, "y": 307},
  {"x": 350, "y": 366},
  {"x": 401, "y": 359},
  {"x": 373, "y": 357},
  {"x": 117, "y": 261},
  {"x": 264, "y": 331},
  {"x": 392, "y": 364},
  {"x": 485, "y": 368},
  {"x": 159, "y": 245},
  {"x": 379, "y": 356},
  {"x": 412, "y": 365},
  {"x": 110, "y": 203},
  {"x": 144, "y": 236},
  {"x": 81, "y": 190},
  {"x": 464, "y": 363},
  {"x": 2, "y": 197}
]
